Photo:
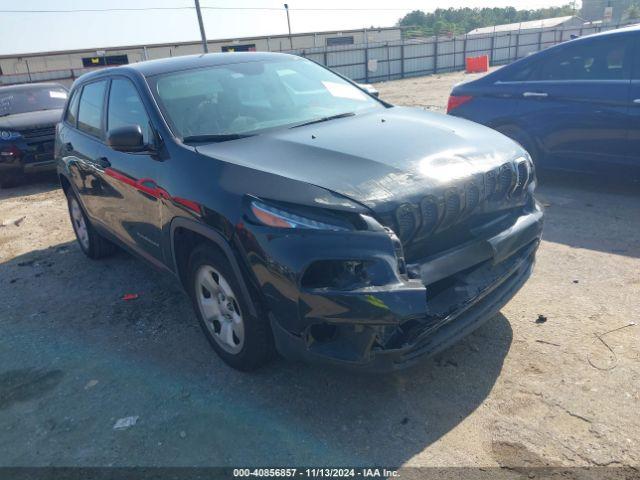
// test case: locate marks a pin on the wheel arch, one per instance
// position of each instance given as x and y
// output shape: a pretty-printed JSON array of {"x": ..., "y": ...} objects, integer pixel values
[
  {"x": 520, "y": 135},
  {"x": 186, "y": 234},
  {"x": 68, "y": 187}
]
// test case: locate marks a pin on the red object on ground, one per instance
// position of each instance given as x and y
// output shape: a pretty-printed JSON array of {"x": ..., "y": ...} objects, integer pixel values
[
  {"x": 130, "y": 296},
  {"x": 478, "y": 64}
]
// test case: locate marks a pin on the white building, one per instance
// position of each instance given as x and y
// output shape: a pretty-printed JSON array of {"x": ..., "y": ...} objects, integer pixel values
[{"x": 545, "y": 24}]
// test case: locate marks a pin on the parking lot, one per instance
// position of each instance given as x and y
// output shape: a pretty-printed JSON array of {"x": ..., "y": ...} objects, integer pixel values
[{"x": 552, "y": 380}]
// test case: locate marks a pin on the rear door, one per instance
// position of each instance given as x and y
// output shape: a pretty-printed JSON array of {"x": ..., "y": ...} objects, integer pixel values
[
  {"x": 84, "y": 143},
  {"x": 576, "y": 102}
]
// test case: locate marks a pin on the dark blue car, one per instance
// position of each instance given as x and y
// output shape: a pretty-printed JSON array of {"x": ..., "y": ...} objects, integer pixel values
[{"x": 575, "y": 106}]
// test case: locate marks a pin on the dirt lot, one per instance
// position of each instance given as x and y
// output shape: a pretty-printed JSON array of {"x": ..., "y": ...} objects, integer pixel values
[
  {"x": 431, "y": 92},
  {"x": 75, "y": 358}
]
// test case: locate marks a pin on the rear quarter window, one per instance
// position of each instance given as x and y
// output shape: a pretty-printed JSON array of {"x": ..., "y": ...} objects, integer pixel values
[
  {"x": 72, "y": 110},
  {"x": 521, "y": 73}
]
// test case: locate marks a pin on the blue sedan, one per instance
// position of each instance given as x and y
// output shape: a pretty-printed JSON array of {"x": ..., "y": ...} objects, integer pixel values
[{"x": 575, "y": 106}]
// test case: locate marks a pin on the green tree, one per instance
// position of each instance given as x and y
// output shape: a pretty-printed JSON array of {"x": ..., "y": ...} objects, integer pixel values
[
  {"x": 463, "y": 20},
  {"x": 632, "y": 12},
  {"x": 414, "y": 19}
]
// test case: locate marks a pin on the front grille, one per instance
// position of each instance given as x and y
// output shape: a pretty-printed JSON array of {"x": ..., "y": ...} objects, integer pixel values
[
  {"x": 506, "y": 181},
  {"x": 429, "y": 209},
  {"x": 472, "y": 197},
  {"x": 452, "y": 205},
  {"x": 490, "y": 182},
  {"x": 407, "y": 221},
  {"x": 523, "y": 178},
  {"x": 419, "y": 224},
  {"x": 38, "y": 133}
]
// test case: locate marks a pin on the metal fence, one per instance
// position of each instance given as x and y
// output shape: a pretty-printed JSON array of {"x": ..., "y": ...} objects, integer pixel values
[
  {"x": 64, "y": 76},
  {"x": 376, "y": 62},
  {"x": 426, "y": 56}
]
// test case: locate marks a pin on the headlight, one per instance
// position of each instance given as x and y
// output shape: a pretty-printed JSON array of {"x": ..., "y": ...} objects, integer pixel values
[
  {"x": 275, "y": 217},
  {"x": 8, "y": 135}
]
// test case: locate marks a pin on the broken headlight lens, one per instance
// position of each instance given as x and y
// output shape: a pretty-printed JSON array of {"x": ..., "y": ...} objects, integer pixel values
[{"x": 276, "y": 217}]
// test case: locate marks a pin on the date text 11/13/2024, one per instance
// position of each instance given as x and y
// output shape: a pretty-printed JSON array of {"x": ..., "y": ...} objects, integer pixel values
[{"x": 316, "y": 472}]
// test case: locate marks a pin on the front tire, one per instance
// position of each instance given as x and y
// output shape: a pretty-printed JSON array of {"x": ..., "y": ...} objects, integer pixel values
[
  {"x": 91, "y": 242},
  {"x": 242, "y": 340}
]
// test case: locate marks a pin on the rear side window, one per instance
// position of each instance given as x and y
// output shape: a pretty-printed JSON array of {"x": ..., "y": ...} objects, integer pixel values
[
  {"x": 91, "y": 107},
  {"x": 126, "y": 108},
  {"x": 72, "y": 110},
  {"x": 606, "y": 58},
  {"x": 521, "y": 74}
]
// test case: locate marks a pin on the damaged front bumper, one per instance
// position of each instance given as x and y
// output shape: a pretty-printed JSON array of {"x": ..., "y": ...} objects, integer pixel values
[{"x": 391, "y": 327}]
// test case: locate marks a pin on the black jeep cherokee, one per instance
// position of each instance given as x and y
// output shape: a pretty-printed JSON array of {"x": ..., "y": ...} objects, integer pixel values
[
  {"x": 28, "y": 117},
  {"x": 300, "y": 213}
]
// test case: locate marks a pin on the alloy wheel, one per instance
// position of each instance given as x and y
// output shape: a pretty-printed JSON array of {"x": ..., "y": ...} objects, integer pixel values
[
  {"x": 79, "y": 224},
  {"x": 220, "y": 309}
]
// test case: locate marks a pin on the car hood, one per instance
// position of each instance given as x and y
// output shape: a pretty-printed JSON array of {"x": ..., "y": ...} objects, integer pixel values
[
  {"x": 377, "y": 159},
  {"x": 28, "y": 120}
]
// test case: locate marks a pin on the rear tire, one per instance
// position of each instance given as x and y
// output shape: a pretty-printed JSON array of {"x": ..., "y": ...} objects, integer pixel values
[
  {"x": 91, "y": 242},
  {"x": 243, "y": 341}
]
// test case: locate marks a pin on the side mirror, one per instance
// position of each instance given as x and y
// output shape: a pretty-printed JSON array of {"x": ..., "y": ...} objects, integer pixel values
[
  {"x": 126, "y": 139},
  {"x": 370, "y": 89}
]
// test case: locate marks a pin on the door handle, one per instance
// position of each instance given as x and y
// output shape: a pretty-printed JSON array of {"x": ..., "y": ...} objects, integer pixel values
[
  {"x": 103, "y": 162},
  {"x": 68, "y": 147},
  {"x": 637, "y": 101},
  {"x": 535, "y": 94}
]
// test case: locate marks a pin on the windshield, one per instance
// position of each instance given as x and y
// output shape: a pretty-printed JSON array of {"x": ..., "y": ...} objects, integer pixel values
[
  {"x": 31, "y": 100},
  {"x": 245, "y": 98}
]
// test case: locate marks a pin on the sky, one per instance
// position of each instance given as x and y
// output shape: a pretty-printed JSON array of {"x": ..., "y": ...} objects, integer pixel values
[{"x": 46, "y": 31}]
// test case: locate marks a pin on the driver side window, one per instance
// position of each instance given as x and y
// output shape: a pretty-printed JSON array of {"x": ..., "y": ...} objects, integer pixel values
[{"x": 126, "y": 108}]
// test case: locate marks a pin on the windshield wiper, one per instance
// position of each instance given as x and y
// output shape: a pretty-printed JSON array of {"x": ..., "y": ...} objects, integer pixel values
[
  {"x": 215, "y": 137},
  {"x": 325, "y": 119}
]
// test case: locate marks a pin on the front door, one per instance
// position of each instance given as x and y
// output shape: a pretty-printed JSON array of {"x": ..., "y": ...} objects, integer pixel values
[
  {"x": 135, "y": 212},
  {"x": 634, "y": 111}
]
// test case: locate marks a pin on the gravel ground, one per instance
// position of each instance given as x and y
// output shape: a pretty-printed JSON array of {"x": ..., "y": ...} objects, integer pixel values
[
  {"x": 430, "y": 92},
  {"x": 523, "y": 390}
]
